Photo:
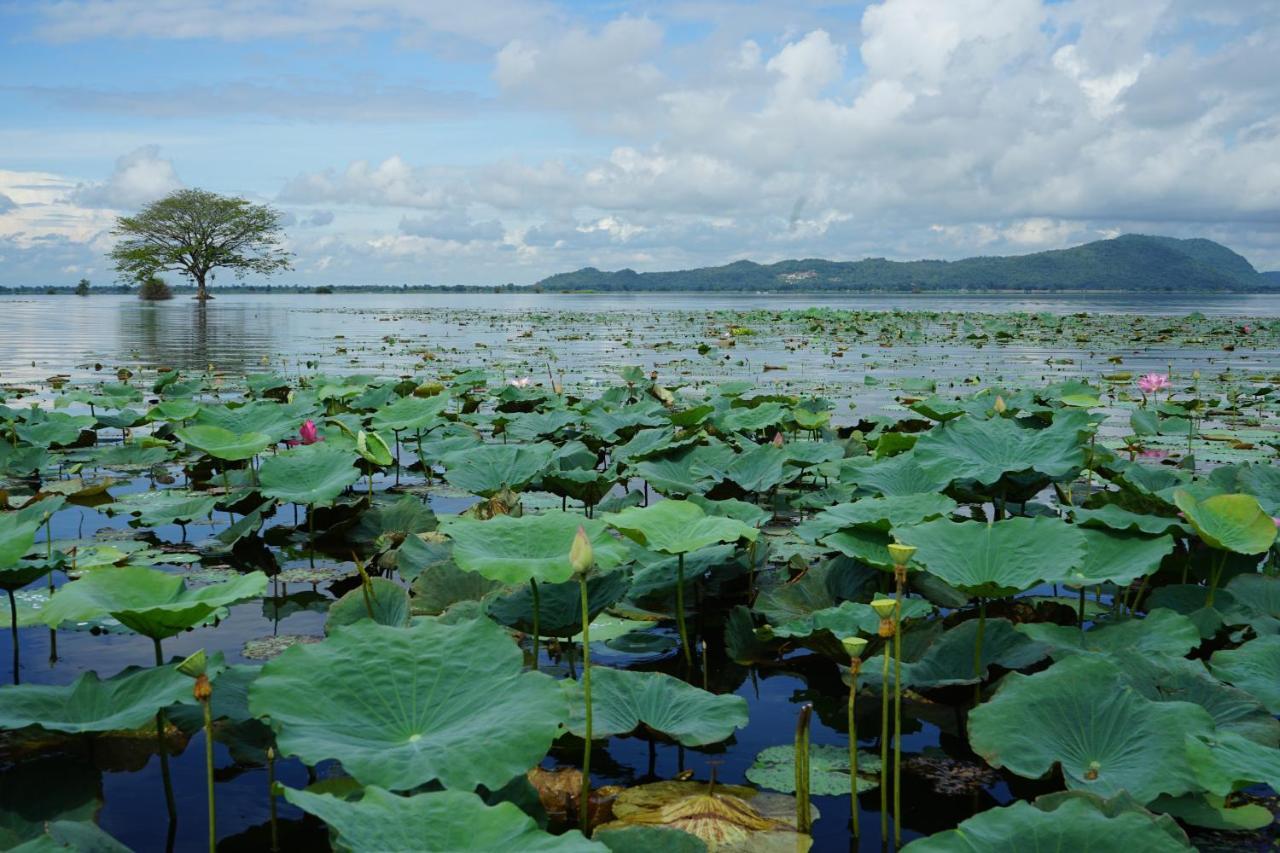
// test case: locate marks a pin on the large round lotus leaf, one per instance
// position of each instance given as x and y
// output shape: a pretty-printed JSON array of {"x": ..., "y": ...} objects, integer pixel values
[
  {"x": 440, "y": 585},
  {"x": 1081, "y": 715},
  {"x": 313, "y": 475},
  {"x": 124, "y": 701},
  {"x": 747, "y": 513},
  {"x": 1227, "y": 761},
  {"x": 881, "y": 513},
  {"x": 385, "y": 599},
  {"x": 410, "y": 413},
  {"x": 489, "y": 468},
  {"x": 1118, "y": 558},
  {"x": 559, "y": 604},
  {"x": 1161, "y": 631},
  {"x": 1254, "y": 667},
  {"x": 1229, "y": 522},
  {"x": 677, "y": 527},
  {"x": 223, "y": 443},
  {"x": 897, "y": 475},
  {"x": 971, "y": 448},
  {"x": 151, "y": 602},
  {"x": 775, "y": 769},
  {"x": 622, "y": 699},
  {"x": 400, "y": 707},
  {"x": 753, "y": 419},
  {"x": 996, "y": 558},
  {"x": 948, "y": 661},
  {"x": 262, "y": 416},
  {"x": 159, "y": 507},
  {"x": 865, "y": 545},
  {"x": 1115, "y": 518},
  {"x": 1075, "y": 825},
  {"x": 438, "y": 821},
  {"x": 760, "y": 469},
  {"x": 531, "y": 547}
]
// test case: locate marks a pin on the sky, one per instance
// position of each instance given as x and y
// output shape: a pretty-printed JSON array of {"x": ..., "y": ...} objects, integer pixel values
[{"x": 494, "y": 141}]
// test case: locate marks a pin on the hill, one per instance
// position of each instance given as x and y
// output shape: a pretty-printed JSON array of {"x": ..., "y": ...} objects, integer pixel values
[{"x": 1132, "y": 262}]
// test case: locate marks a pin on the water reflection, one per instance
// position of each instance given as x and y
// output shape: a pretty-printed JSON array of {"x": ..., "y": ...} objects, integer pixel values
[{"x": 190, "y": 336}]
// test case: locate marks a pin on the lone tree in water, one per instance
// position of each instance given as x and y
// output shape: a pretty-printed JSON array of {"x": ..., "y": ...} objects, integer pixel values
[{"x": 194, "y": 232}]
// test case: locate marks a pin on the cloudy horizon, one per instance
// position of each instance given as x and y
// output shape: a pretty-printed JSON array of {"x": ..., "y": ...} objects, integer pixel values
[{"x": 432, "y": 143}]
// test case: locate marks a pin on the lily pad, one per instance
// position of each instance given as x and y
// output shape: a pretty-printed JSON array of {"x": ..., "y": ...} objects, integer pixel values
[
  {"x": 622, "y": 700},
  {"x": 775, "y": 769}
]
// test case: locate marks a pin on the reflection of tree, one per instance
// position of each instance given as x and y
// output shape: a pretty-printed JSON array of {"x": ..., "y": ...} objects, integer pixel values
[{"x": 191, "y": 336}]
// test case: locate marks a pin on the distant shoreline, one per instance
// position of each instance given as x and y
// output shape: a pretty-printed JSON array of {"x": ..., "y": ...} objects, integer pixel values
[{"x": 331, "y": 290}]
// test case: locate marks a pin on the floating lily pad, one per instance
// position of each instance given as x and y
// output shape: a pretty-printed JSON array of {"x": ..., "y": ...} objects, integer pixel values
[{"x": 775, "y": 769}]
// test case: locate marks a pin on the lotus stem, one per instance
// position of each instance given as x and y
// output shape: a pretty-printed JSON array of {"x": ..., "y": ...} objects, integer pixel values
[
  {"x": 884, "y": 741},
  {"x": 537, "y": 608},
  {"x": 684, "y": 634},
  {"x": 271, "y": 797},
  {"x": 311, "y": 533},
  {"x": 977, "y": 650},
  {"x": 13, "y": 629},
  {"x": 897, "y": 714},
  {"x": 585, "y": 797},
  {"x": 1214, "y": 576},
  {"x": 855, "y": 666},
  {"x": 208, "y": 768},
  {"x": 803, "y": 821},
  {"x": 169, "y": 803}
]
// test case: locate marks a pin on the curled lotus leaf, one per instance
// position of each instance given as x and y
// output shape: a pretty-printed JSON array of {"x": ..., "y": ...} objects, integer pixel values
[
  {"x": 89, "y": 704},
  {"x": 159, "y": 507},
  {"x": 1160, "y": 632},
  {"x": 401, "y": 707},
  {"x": 1077, "y": 824},
  {"x": 531, "y": 547},
  {"x": 623, "y": 700},
  {"x": 437, "y": 821},
  {"x": 1235, "y": 523},
  {"x": 1254, "y": 668},
  {"x": 1080, "y": 715},
  {"x": 877, "y": 513},
  {"x": 677, "y": 527}
]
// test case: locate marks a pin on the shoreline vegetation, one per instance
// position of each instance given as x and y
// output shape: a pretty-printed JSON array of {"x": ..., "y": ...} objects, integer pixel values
[{"x": 1131, "y": 263}]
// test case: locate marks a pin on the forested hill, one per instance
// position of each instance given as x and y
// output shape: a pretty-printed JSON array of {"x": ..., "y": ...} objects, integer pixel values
[{"x": 1133, "y": 262}]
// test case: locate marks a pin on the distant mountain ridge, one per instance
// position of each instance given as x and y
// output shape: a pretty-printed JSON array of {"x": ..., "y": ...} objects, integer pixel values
[{"x": 1131, "y": 262}]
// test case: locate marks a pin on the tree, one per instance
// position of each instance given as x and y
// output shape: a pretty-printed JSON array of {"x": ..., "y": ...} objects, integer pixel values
[
  {"x": 154, "y": 289},
  {"x": 82, "y": 288},
  {"x": 194, "y": 232}
]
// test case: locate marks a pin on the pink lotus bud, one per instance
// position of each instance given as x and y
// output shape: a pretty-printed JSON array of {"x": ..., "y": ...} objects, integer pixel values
[{"x": 308, "y": 433}]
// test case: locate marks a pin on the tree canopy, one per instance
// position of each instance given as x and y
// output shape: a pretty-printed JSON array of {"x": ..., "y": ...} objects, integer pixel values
[{"x": 194, "y": 232}]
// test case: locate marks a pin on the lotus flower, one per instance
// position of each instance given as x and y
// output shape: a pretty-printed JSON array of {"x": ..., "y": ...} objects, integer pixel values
[
  {"x": 308, "y": 434},
  {"x": 1153, "y": 382},
  {"x": 522, "y": 382},
  {"x": 777, "y": 439}
]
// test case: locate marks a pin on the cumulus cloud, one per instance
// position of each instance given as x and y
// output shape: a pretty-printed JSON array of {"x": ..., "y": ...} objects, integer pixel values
[
  {"x": 452, "y": 227},
  {"x": 141, "y": 176},
  {"x": 7, "y": 204}
]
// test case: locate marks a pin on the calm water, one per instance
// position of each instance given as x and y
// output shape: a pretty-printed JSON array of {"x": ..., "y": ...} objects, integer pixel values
[{"x": 581, "y": 337}]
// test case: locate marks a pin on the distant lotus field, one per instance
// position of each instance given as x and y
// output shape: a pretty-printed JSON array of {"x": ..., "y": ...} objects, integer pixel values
[{"x": 449, "y": 598}]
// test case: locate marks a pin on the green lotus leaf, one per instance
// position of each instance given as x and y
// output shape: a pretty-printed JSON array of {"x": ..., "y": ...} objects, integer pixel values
[
  {"x": 386, "y": 600},
  {"x": 1259, "y": 596},
  {"x": 1161, "y": 631},
  {"x": 747, "y": 513},
  {"x": 417, "y": 554},
  {"x": 54, "y": 428},
  {"x": 535, "y": 425},
  {"x": 622, "y": 700},
  {"x": 1263, "y": 482},
  {"x": 645, "y": 839},
  {"x": 996, "y": 558},
  {"x": 489, "y": 468},
  {"x": 1118, "y": 558},
  {"x": 80, "y": 835},
  {"x": 848, "y": 619},
  {"x": 88, "y": 704},
  {"x": 559, "y": 604},
  {"x": 222, "y": 443},
  {"x": 313, "y": 476},
  {"x": 411, "y": 414},
  {"x": 373, "y": 449},
  {"x": 444, "y": 821},
  {"x": 971, "y": 448},
  {"x": 1234, "y": 523},
  {"x": 1080, "y": 715},
  {"x": 1253, "y": 667},
  {"x": 760, "y": 469},
  {"x": 677, "y": 527},
  {"x": 400, "y": 707},
  {"x": 1224, "y": 762},
  {"x": 159, "y": 507},
  {"x": 948, "y": 661},
  {"x": 391, "y": 523},
  {"x": 150, "y": 602},
  {"x": 897, "y": 475},
  {"x": 1213, "y": 812},
  {"x": 531, "y": 547},
  {"x": 17, "y": 537},
  {"x": 754, "y": 419},
  {"x": 1117, "y": 518},
  {"x": 876, "y": 513},
  {"x": 864, "y": 544},
  {"x": 1075, "y": 825},
  {"x": 775, "y": 769}
]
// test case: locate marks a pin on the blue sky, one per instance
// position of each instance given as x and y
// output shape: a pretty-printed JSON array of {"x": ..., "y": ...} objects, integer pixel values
[{"x": 436, "y": 142}]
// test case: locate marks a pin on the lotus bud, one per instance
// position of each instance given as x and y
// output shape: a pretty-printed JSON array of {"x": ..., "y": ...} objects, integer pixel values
[
  {"x": 900, "y": 553},
  {"x": 580, "y": 554},
  {"x": 854, "y": 647},
  {"x": 777, "y": 439},
  {"x": 203, "y": 690},
  {"x": 1000, "y": 406}
]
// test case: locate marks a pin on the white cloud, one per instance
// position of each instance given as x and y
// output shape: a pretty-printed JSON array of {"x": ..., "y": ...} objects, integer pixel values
[{"x": 141, "y": 176}]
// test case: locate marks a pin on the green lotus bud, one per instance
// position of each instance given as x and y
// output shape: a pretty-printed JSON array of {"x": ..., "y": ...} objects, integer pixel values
[
  {"x": 195, "y": 665},
  {"x": 1000, "y": 406},
  {"x": 900, "y": 553},
  {"x": 854, "y": 646},
  {"x": 580, "y": 555},
  {"x": 884, "y": 607}
]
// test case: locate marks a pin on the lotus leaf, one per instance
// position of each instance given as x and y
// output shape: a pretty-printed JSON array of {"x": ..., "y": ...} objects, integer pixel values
[
  {"x": 312, "y": 476},
  {"x": 1234, "y": 523},
  {"x": 622, "y": 700},
  {"x": 150, "y": 602},
  {"x": 438, "y": 821},
  {"x": 385, "y": 602},
  {"x": 949, "y": 660},
  {"x": 400, "y": 707},
  {"x": 971, "y": 448},
  {"x": 1079, "y": 714},
  {"x": 996, "y": 558},
  {"x": 1253, "y": 667},
  {"x": 1118, "y": 518},
  {"x": 531, "y": 547},
  {"x": 88, "y": 704},
  {"x": 760, "y": 469},
  {"x": 223, "y": 443},
  {"x": 559, "y": 604},
  {"x": 897, "y": 475},
  {"x": 1161, "y": 631},
  {"x": 155, "y": 508},
  {"x": 489, "y": 468},
  {"x": 644, "y": 839},
  {"x": 1227, "y": 761},
  {"x": 411, "y": 414},
  {"x": 877, "y": 513},
  {"x": 1118, "y": 558},
  {"x": 775, "y": 769},
  {"x": 677, "y": 527}
]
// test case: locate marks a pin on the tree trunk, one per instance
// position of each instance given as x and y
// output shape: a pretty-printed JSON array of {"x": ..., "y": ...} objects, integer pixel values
[{"x": 202, "y": 292}]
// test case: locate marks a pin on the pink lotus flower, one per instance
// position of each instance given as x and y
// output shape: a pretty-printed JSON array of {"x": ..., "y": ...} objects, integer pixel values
[
  {"x": 1245, "y": 328},
  {"x": 308, "y": 433},
  {"x": 1154, "y": 454},
  {"x": 1153, "y": 382}
]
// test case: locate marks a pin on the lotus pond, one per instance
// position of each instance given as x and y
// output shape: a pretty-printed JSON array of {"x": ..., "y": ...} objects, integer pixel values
[{"x": 831, "y": 579}]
